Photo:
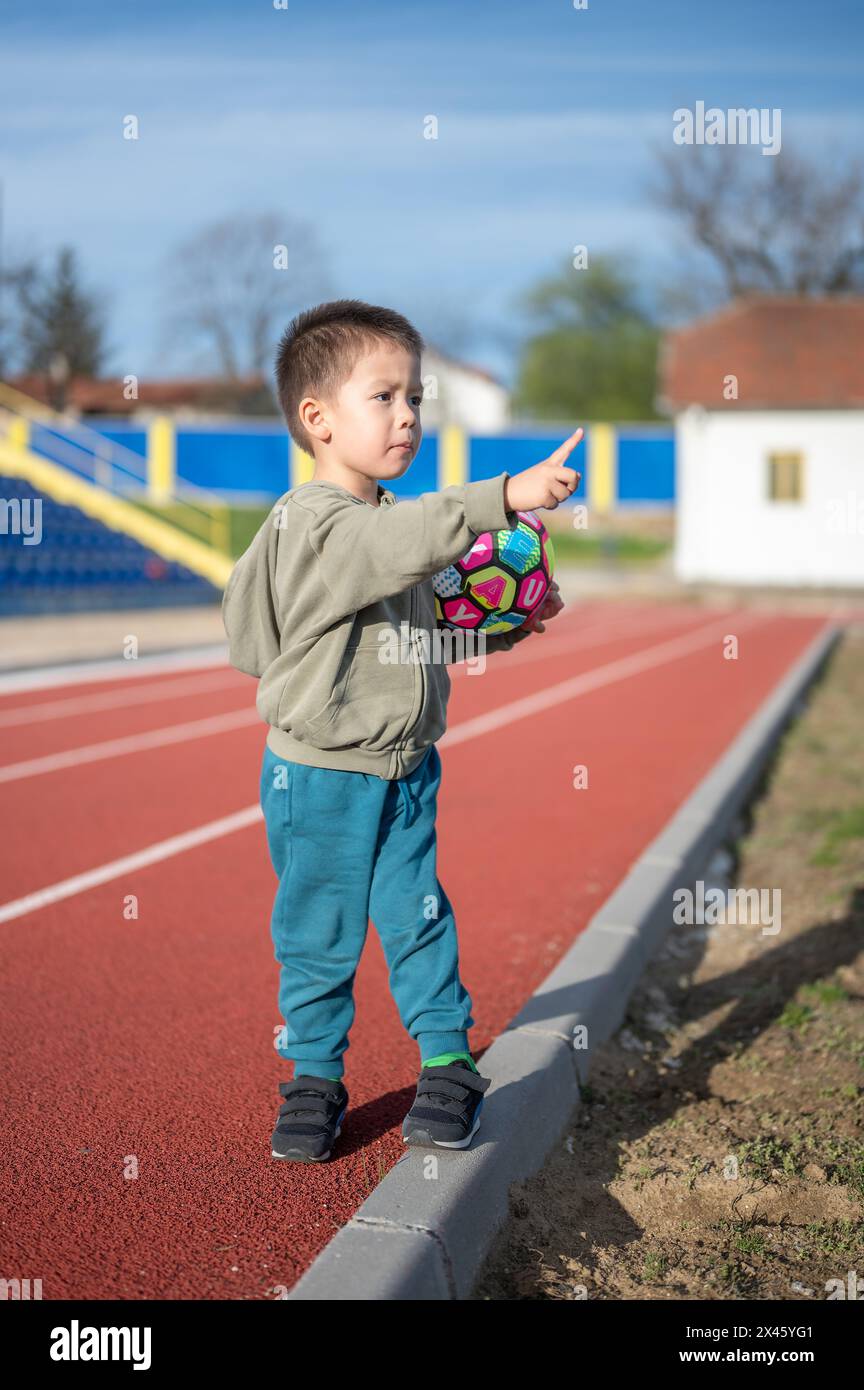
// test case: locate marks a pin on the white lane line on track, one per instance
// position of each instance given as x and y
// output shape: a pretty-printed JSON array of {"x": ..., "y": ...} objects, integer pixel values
[
  {"x": 92, "y": 878},
  {"x": 131, "y": 743},
  {"x": 471, "y": 728},
  {"x": 173, "y": 733},
  {"x": 613, "y": 671},
  {"x": 117, "y": 699},
  {"x": 185, "y": 659},
  {"x": 595, "y": 634},
  {"x": 116, "y": 668},
  {"x": 556, "y": 643}
]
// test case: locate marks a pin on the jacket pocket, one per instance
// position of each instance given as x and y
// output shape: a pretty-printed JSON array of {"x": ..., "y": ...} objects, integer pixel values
[
  {"x": 370, "y": 705},
  {"x": 337, "y": 694},
  {"x": 432, "y": 721}
]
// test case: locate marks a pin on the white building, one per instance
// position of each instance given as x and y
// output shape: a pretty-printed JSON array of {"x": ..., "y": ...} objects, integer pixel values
[
  {"x": 456, "y": 393},
  {"x": 768, "y": 397}
]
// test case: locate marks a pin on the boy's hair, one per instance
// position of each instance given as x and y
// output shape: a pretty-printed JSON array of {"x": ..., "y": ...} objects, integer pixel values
[{"x": 320, "y": 348}]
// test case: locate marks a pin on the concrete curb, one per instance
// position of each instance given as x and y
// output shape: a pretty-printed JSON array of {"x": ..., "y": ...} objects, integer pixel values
[{"x": 426, "y": 1229}]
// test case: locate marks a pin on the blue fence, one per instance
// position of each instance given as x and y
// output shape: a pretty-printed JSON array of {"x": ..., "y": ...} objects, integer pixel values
[
  {"x": 251, "y": 459},
  {"x": 646, "y": 466}
]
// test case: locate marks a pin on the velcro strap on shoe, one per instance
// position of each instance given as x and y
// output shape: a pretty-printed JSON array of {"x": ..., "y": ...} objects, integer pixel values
[
  {"x": 446, "y": 1076},
  {"x": 438, "y": 1117},
  {"x": 297, "y": 1127},
  {"x": 442, "y": 1086},
  {"x": 310, "y": 1083},
  {"x": 301, "y": 1102}
]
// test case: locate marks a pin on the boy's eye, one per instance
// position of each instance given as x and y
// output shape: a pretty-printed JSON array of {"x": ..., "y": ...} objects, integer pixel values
[{"x": 379, "y": 394}]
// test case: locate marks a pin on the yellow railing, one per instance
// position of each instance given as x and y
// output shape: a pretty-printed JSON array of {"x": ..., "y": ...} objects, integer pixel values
[{"x": 112, "y": 466}]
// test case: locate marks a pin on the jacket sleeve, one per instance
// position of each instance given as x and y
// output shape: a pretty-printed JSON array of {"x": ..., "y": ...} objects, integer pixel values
[
  {"x": 248, "y": 613},
  {"x": 368, "y": 553}
]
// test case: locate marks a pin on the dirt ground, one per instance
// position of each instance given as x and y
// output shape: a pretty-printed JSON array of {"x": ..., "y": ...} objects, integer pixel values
[{"x": 717, "y": 1152}]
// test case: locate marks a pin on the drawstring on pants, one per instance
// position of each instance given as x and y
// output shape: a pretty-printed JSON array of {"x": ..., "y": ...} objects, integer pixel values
[
  {"x": 409, "y": 801},
  {"x": 409, "y": 796}
]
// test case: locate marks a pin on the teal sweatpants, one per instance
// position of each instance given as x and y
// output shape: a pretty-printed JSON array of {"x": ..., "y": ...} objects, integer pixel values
[{"x": 347, "y": 846}]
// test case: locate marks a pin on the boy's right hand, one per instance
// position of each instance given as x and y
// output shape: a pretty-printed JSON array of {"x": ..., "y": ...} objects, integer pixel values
[{"x": 547, "y": 483}]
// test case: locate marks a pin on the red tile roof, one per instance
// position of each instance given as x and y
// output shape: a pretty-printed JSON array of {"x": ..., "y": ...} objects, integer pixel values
[
  {"x": 106, "y": 396},
  {"x": 787, "y": 352}
]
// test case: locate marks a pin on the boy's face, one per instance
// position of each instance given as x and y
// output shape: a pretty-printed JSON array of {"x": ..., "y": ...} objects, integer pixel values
[{"x": 376, "y": 410}]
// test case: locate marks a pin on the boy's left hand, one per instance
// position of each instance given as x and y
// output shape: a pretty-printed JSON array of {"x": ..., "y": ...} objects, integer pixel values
[{"x": 549, "y": 608}]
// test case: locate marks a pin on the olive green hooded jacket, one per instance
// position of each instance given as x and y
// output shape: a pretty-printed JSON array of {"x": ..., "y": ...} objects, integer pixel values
[{"x": 330, "y": 589}]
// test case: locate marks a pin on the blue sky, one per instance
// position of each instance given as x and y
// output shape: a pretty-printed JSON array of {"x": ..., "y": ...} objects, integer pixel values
[{"x": 547, "y": 116}]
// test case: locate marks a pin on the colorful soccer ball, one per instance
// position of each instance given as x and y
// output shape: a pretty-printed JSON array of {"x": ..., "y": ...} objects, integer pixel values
[{"x": 500, "y": 582}]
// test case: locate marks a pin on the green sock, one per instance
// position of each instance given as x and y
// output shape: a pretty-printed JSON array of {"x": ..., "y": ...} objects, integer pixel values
[{"x": 447, "y": 1057}]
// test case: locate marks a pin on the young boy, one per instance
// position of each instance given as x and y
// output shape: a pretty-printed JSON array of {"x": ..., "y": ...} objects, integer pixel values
[{"x": 351, "y": 772}]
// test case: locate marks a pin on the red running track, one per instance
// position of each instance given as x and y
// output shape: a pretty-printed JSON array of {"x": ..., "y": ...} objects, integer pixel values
[{"x": 142, "y": 1079}]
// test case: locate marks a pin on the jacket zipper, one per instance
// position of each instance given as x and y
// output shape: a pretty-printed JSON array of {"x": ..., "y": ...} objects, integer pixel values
[
  {"x": 421, "y": 664},
  {"x": 412, "y": 725}
]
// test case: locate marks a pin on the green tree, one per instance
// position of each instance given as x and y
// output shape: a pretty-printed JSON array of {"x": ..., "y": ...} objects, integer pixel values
[
  {"x": 595, "y": 354},
  {"x": 59, "y": 322}
]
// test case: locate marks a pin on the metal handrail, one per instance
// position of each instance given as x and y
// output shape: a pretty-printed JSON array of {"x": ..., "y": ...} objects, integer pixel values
[
  {"x": 19, "y": 404},
  {"x": 205, "y": 513}
]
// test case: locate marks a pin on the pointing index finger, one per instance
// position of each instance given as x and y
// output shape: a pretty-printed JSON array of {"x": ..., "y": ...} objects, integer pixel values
[{"x": 564, "y": 450}]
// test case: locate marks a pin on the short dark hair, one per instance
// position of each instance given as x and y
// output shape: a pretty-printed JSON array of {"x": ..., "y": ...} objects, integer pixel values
[{"x": 320, "y": 348}]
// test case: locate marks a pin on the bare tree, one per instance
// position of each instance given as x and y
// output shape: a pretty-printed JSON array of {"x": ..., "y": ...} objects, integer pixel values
[
  {"x": 781, "y": 225},
  {"x": 226, "y": 287}
]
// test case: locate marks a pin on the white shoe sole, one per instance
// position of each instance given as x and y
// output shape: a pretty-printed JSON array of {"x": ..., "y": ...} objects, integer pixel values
[{"x": 422, "y": 1139}]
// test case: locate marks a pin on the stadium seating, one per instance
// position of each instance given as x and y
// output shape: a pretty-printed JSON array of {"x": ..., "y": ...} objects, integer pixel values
[{"x": 81, "y": 565}]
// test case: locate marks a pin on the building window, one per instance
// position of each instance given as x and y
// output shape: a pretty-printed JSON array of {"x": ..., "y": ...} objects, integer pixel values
[{"x": 785, "y": 477}]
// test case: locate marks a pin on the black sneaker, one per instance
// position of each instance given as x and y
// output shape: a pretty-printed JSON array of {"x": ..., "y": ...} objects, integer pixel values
[
  {"x": 310, "y": 1118},
  {"x": 446, "y": 1110}
]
